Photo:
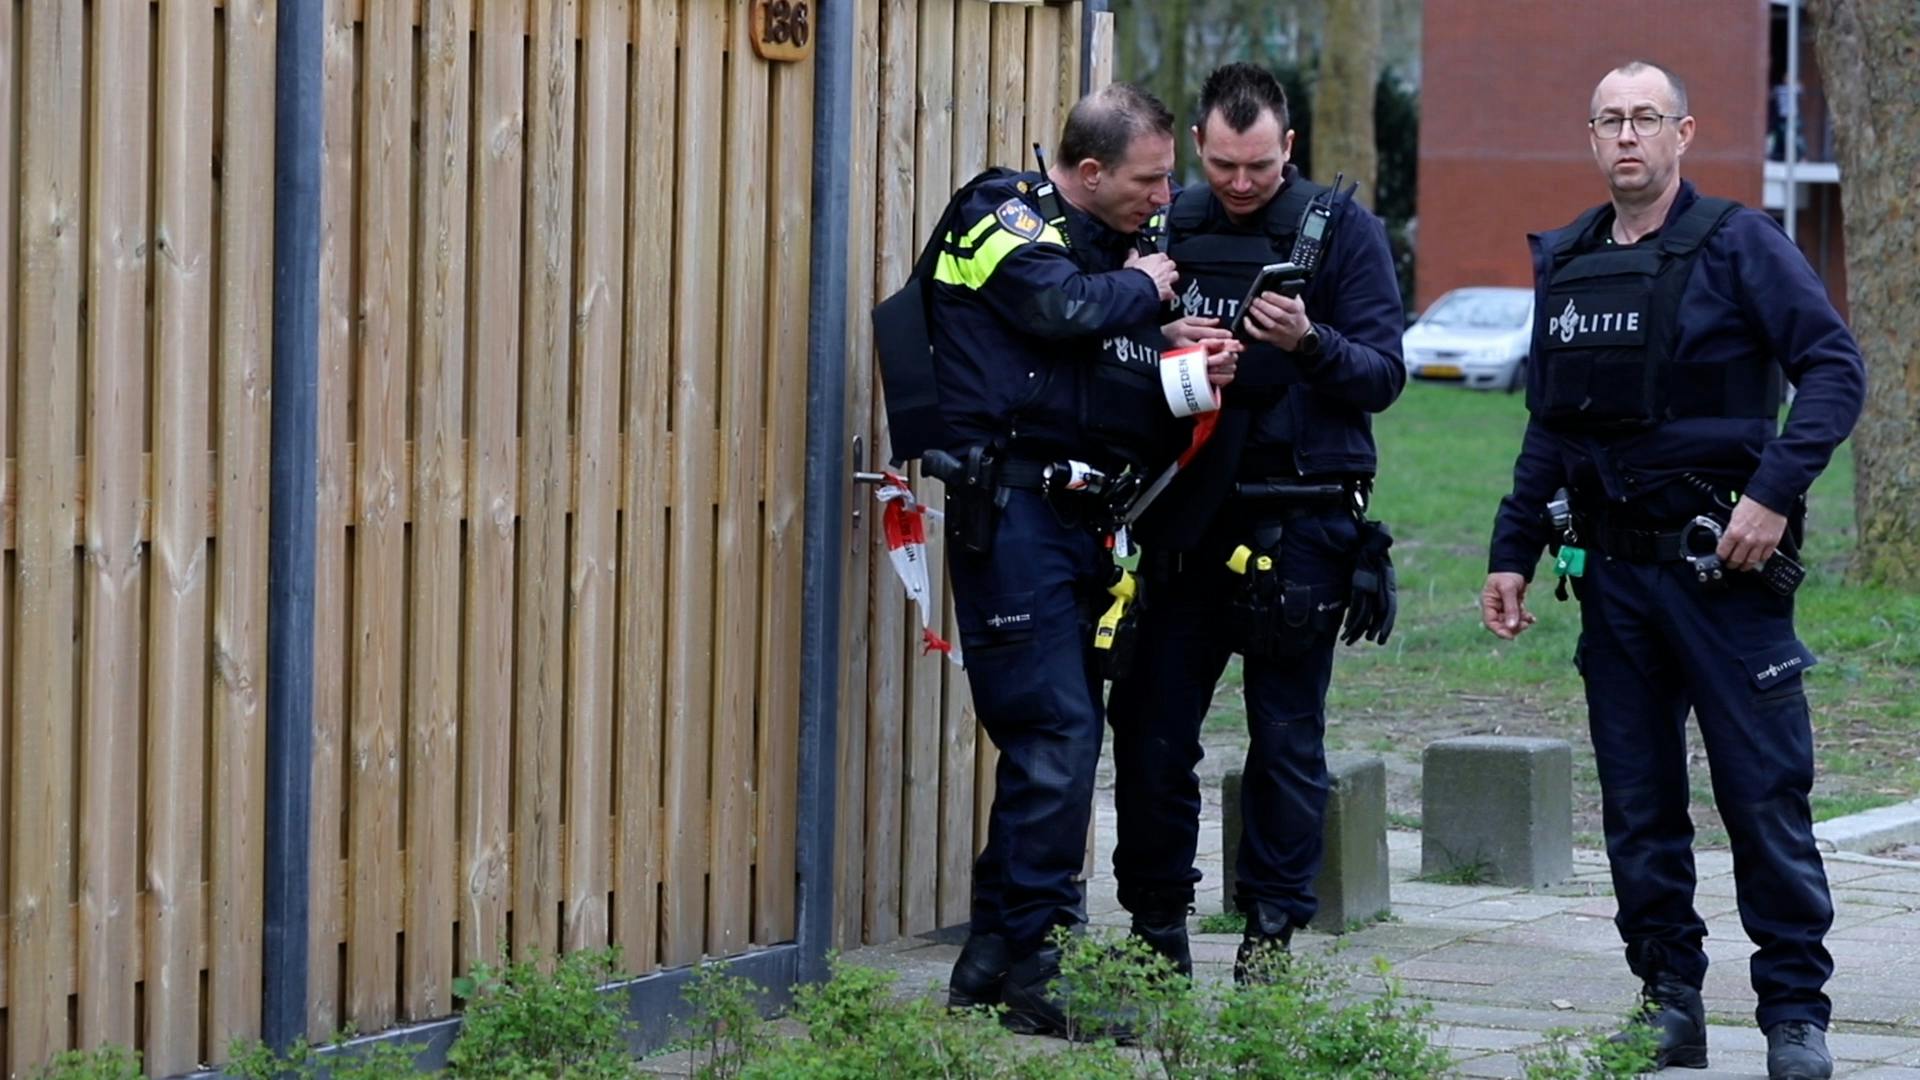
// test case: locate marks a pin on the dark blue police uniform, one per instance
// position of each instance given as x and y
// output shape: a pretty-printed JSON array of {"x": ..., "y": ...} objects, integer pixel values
[
  {"x": 1287, "y": 416},
  {"x": 1653, "y": 390},
  {"x": 1021, "y": 304}
]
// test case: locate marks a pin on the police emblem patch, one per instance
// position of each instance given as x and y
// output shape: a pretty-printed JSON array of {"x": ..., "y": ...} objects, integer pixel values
[{"x": 1019, "y": 219}]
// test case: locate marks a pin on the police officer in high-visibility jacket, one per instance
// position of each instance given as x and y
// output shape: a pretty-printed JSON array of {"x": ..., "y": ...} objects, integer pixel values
[
  {"x": 1032, "y": 272},
  {"x": 1663, "y": 322},
  {"x": 1279, "y": 484}
]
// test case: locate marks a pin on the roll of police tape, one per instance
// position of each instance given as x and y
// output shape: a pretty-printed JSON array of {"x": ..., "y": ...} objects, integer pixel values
[{"x": 1183, "y": 378}]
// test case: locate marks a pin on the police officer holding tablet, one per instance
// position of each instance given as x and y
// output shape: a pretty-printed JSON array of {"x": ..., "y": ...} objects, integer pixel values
[{"x": 1259, "y": 545}]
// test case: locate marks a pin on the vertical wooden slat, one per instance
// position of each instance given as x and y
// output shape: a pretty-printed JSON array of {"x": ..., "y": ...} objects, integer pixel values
[
  {"x": 972, "y": 60},
  {"x": 643, "y": 539},
  {"x": 856, "y": 556},
  {"x": 1100, "y": 67},
  {"x": 926, "y": 672},
  {"x": 791, "y": 189},
  {"x": 240, "y": 588},
  {"x": 1043, "y": 79},
  {"x": 333, "y": 493},
  {"x": 539, "y": 647},
  {"x": 499, "y": 151},
  {"x": 9, "y": 337},
  {"x": 1071, "y": 17},
  {"x": 52, "y": 212},
  {"x": 177, "y": 648},
  {"x": 1007, "y": 104},
  {"x": 694, "y": 419},
  {"x": 439, "y": 504},
  {"x": 379, "y": 542},
  {"x": 737, "y": 540},
  {"x": 887, "y": 650},
  {"x": 1006, "y": 132},
  {"x": 590, "y": 588},
  {"x": 117, "y": 383}
]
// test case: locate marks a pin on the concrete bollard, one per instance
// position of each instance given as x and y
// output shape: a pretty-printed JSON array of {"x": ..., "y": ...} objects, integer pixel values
[
  {"x": 1353, "y": 884},
  {"x": 1497, "y": 809}
]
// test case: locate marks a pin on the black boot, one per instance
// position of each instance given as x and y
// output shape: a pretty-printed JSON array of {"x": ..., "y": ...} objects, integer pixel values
[
  {"x": 1263, "y": 949},
  {"x": 1797, "y": 1050},
  {"x": 979, "y": 973},
  {"x": 1165, "y": 932},
  {"x": 1674, "y": 1011},
  {"x": 1031, "y": 997},
  {"x": 1034, "y": 1007}
]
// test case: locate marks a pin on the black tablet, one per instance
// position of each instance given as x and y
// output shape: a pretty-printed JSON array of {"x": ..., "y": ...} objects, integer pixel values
[{"x": 1282, "y": 277}]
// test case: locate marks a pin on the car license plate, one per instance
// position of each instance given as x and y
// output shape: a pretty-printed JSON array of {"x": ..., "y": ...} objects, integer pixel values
[{"x": 1441, "y": 371}]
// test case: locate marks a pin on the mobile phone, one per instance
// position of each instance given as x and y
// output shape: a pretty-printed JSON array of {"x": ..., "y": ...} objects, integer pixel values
[{"x": 1284, "y": 278}]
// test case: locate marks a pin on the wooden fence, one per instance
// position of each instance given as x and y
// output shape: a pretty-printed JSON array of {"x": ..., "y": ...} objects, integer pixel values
[{"x": 564, "y": 291}]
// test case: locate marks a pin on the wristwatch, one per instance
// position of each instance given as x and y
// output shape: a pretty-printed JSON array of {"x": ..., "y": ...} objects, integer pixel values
[{"x": 1309, "y": 345}]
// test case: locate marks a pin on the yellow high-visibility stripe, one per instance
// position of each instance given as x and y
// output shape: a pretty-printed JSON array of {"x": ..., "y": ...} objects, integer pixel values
[{"x": 972, "y": 270}]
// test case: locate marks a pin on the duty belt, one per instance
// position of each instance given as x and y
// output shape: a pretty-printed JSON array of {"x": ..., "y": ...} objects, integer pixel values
[
  {"x": 1633, "y": 545},
  {"x": 1024, "y": 474}
]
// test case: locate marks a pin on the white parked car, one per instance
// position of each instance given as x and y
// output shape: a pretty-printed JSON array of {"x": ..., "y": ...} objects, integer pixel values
[{"x": 1476, "y": 336}]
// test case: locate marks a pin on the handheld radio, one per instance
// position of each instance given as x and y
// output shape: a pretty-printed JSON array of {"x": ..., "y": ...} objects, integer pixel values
[{"x": 1311, "y": 238}]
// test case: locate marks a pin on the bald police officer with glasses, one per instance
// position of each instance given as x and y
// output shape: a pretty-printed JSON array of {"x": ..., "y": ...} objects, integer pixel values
[{"x": 1665, "y": 323}]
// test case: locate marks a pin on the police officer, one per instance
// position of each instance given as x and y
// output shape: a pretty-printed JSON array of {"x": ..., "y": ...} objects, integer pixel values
[
  {"x": 1033, "y": 272},
  {"x": 1295, "y": 425},
  {"x": 1663, "y": 320}
]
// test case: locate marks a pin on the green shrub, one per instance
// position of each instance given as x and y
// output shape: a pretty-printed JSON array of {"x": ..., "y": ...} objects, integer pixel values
[
  {"x": 727, "y": 1023},
  {"x": 251, "y": 1060},
  {"x": 1588, "y": 1055},
  {"x": 522, "y": 1022},
  {"x": 1223, "y": 922},
  {"x": 100, "y": 1063}
]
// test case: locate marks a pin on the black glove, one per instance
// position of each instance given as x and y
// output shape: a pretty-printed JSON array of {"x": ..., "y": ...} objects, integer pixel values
[{"x": 1373, "y": 605}]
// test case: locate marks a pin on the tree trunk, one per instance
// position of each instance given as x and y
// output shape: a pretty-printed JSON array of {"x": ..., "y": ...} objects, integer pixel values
[
  {"x": 1171, "y": 85},
  {"x": 1867, "y": 51},
  {"x": 1128, "y": 29},
  {"x": 1343, "y": 96}
]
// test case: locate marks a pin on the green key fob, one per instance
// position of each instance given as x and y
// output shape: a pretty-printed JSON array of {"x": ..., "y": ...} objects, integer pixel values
[{"x": 1571, "y": 563}]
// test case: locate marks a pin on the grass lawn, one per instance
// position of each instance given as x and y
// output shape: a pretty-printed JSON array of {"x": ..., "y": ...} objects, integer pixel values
[{"x": 1446, "y": 459}]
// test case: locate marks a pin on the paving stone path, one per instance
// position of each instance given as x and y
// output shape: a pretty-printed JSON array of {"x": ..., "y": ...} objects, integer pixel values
[{"x": 1501, "y": 966}]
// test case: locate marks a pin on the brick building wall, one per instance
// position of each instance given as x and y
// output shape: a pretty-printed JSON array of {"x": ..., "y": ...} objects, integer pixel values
[{"x": 1503, "y": 140}]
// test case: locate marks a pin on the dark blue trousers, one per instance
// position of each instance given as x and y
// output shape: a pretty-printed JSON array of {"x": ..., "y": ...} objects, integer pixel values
[
  {"x": 1655, "y": 643},
  {"x": 1158, "y": 708},
  {"x": 1026, "y": 632}
]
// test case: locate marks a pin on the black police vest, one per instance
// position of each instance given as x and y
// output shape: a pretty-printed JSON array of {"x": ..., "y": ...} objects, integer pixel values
[
  {"x": 1216, "y": 268},
  {"x": 1122, "y": 410},
  {"x": 1605, "y": 341},
  {"x": 1122, "y": 404}
]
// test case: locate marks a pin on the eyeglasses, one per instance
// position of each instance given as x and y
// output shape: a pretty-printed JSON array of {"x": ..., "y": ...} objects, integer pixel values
[{"x": 1645, "y": 125}]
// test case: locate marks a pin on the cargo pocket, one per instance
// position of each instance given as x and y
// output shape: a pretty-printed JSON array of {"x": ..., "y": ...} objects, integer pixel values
[
  {"x": 1003, "y": 664},
  {"x": 1775, "y": 672}
]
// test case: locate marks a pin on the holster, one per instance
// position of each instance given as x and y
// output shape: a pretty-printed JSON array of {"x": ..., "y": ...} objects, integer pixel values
[
  {"x": 1272, "y": 618},
  {"x": 974, "y": 496}
]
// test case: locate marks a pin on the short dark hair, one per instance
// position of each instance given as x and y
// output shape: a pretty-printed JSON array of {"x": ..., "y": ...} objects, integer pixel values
[
  {"x": 1241, "y": 92},
  {"x": 1104, "y": 123},
  {"x": 1679, "y": 88}
]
